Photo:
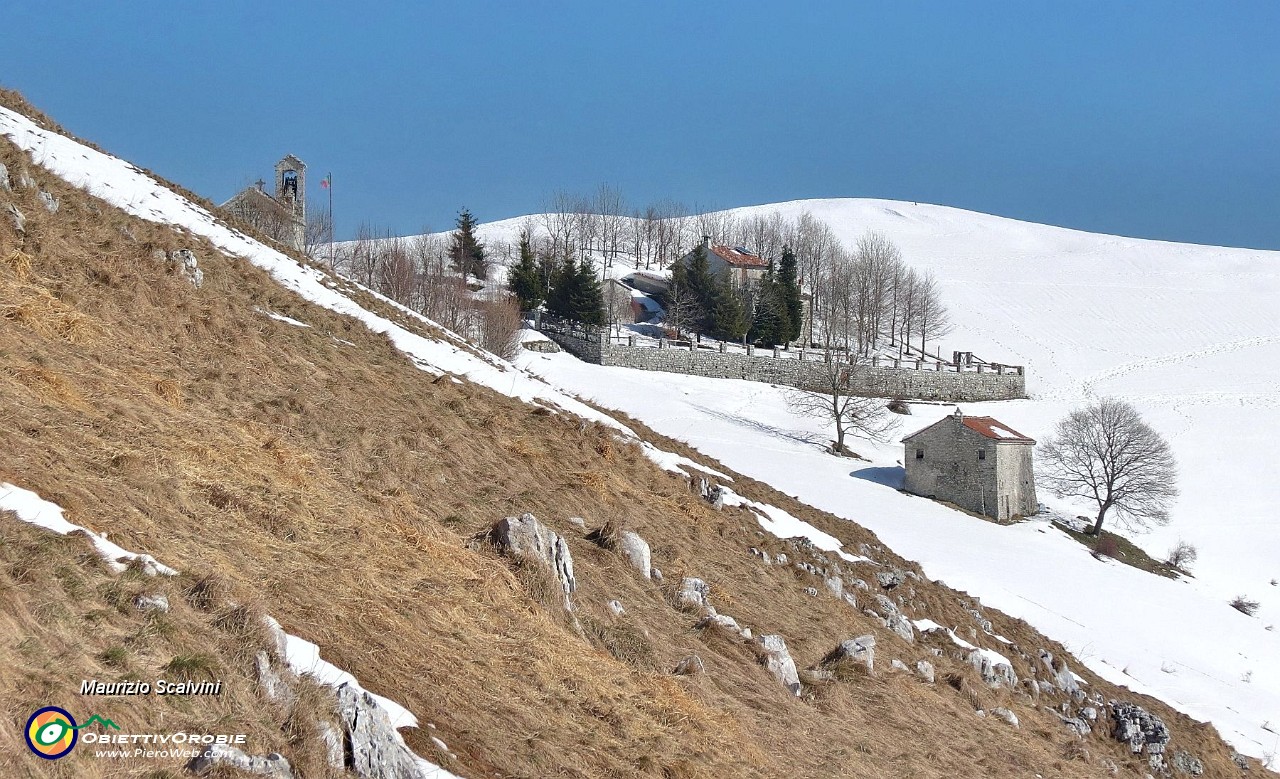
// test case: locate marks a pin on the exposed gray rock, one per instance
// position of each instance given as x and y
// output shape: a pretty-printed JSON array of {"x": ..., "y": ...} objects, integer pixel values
[
  {"x": 636, "y": 550},
  {"x": 816, "y": 675},
  {"x": 524, "y": 536},
  {"x": 850, "y": 599},
  {"x": 49, "y": 202},
  {"x": 332, "y": 743},
  {"x": 276, "y": 683},
  {"x": 995, "y": 674},
  {"x": 1079, "y": 726},
  {"x": 1089, "y": 713},
  {"x": 615, "y": 606},
  {"x": 898, "y": 665},
  {"x": 4, "y": 178},
  {"x": 690, "y": 666},
  {"x": 1141, "y": 730},
  {"x": 151, "y": 602},
  {"x": 859, "y": 584},
  {"x": 781, "y": 559},
  {"x": 894, "y": 619},
  {"x": 184, "y": 260},
  {"x": 858, "y": 650},
  {"x": 373, "y": 747},
  {"x": 836, "y": 585},
  {"x": 24, "y": 179},
  {"x": 1006, "y": 715},
  {"x": 777, "y": 660},
  {"x": 723, "y": 621},
  {"x": 1240, "y": 760},
  {"x": 1186, "y": 763},
  {"x": 578, "y": 522},
  {"x": 924, "y": 669},
  {"x": 693, "y": 593},
  {"x": 891, "y": 578},
  {"x": 1046, "y": 688},
  {"x": 15, "y": 216},
  {"x": 763, "y": 555},
  {"x": 655, "y": 574},
  {"x": 225, "y": 755},
  {"x": 811, "y": 592}
]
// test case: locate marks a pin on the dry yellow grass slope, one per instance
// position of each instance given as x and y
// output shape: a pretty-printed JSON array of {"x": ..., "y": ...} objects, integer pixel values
[{"x": 315, "y": 474}]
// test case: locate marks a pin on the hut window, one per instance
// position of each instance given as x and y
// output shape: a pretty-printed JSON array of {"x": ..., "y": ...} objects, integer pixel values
[
  {"x": 982, "y": 454},
  {"x": 919, "y": 454}
]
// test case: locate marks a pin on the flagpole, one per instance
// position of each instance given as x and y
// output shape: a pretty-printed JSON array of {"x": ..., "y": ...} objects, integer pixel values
[{"x": 330, "y": 188}]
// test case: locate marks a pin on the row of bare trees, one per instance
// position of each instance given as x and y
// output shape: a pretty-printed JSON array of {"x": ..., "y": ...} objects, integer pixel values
[
  {"x": 418, "y": 273},
  {"x": 866, "y": 298}
]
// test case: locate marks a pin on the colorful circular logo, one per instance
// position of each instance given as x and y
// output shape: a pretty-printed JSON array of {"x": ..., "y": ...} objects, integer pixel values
[{"x": 51, "y": 732}]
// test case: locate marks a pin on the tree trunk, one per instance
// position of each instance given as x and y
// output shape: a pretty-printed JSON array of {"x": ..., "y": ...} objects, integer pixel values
[{"x": 1097, "y": 526}]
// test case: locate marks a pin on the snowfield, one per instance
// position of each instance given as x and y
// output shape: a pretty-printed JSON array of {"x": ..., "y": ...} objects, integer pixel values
[{"x": 1189, "y": 334}]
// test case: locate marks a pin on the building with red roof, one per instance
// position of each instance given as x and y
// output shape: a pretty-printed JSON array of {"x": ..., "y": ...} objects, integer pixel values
[{"x": 977, "y": 463}]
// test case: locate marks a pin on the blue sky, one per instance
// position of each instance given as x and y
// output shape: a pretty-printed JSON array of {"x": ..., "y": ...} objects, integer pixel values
[{"x": 1156, "y": 119}]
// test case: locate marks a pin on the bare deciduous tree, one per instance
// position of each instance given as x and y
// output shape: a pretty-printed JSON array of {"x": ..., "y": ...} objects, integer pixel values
[
  {"x": 499, "y": 325},
  {"x": 1108, "y": 454},
  {"x": 318, "y": 234},
  {"x": 835, "y": 401}
]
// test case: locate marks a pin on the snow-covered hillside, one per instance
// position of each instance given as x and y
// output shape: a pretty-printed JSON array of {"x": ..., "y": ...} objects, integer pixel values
[
  {"x": 1188, "y": 333},
  {"x": 1182, "y": 331}
]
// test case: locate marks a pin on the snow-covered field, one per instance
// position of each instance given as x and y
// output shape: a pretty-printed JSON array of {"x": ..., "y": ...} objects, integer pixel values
[{"x": 1189, "y": 334}]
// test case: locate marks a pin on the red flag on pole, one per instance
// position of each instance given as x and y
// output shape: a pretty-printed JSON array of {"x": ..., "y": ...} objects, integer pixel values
[{"x": 327, "y": 181}]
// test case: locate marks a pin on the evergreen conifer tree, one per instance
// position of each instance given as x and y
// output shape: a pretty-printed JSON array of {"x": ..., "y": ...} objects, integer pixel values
[
  {"x": 768, "y": 326},
  {"x": 559, "y": 296},
  {"x": 587, "y": 297},
  {"x": 789, "y": 290},
  {"x": 525, "y": 279},
  {"x": 729, "y": 319},
  {"x": 466, "y": 253}
]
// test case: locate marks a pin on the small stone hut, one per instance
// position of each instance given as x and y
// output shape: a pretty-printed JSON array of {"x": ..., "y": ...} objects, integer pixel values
[{"x": 977, "y": 463}]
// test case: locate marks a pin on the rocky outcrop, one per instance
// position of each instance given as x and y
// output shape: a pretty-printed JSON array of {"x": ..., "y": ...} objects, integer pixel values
[
  {"x": 860, "y": 650},
  {"x": 4, "y": 179},
  {"x": 374, "y": 750},
  {"x": 1144, "y": 732},
  {"x": 16, "y": 217},
  {"x": 994, "y": 672},
  {"x": 1006, "y": 715},
  {"x": 228, "y": 757},
  {"x": 775, "y": 657},
  {"x": 636, "y": 550},
  {"x": 49, "y": 202},
  {"x": 692, "y": 594},
  {"x": 151, "y": 602},
  {"x": 894, "y": 619},
  {"x": 527, "y": 538},
  {"x": 1186, "y": 763},
  {"x": 924, "y": 669},
  {"x": 690, "y": 666},
  {"x": 891, "y": 578}
]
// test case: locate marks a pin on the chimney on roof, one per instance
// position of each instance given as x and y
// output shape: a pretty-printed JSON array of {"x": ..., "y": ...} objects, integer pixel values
[
  {"x": 706, "y": 242},
  {"x": 958, "y": 415}
]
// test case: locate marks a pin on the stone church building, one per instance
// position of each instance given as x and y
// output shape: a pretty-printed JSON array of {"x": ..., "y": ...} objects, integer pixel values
[
  {"x": 282, "y": 215},
  {"x": 977, "y": 463}
]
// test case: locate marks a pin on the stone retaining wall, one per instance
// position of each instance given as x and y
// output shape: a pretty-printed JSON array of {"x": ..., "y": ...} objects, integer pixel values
[{"x": 907, "y": 381}]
